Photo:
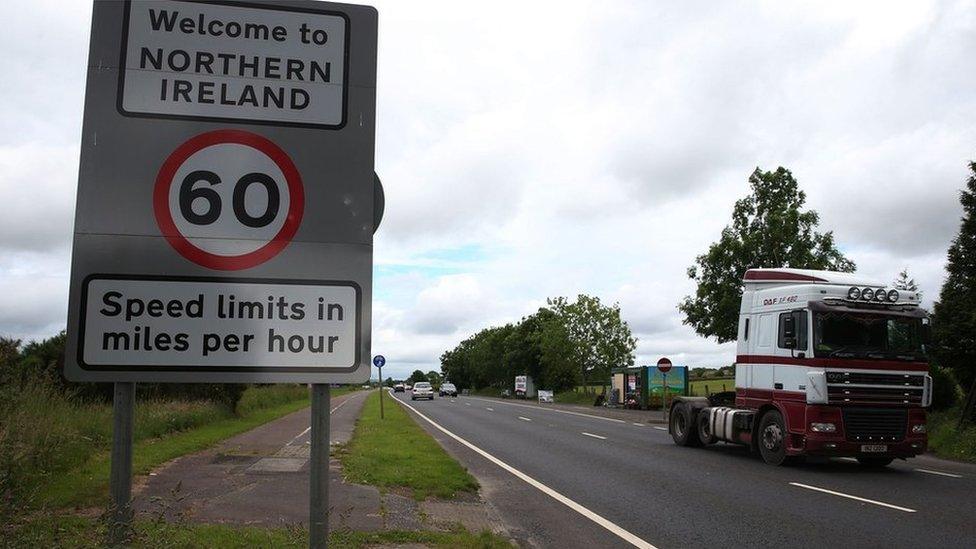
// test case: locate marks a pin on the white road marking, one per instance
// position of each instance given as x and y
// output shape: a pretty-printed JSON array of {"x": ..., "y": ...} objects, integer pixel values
[
  {"x": 309, "y": 428},
  {"x": 849, "y": 459},
  {"x": 592, "y": 435},
  {"x": 610, "y": 526},
  {"x": 639, "y": 424},
  {"x": 524, "y": 418},
  {"x": 848, "y": 496},
  {"x": 554, "y": 410},
  {"x": 467, "y": 404},
  {"x": 660, "y": 428},
  {"x": 941, "y": 473},
  {"x": 490, "y": 409}
]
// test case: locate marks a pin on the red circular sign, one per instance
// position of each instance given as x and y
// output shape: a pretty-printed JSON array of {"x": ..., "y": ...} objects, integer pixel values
[
  {"x": 271, "y": 246},
  {"x": 664, "y": 365}
]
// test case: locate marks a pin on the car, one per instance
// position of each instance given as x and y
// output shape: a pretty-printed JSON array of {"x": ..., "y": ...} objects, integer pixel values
[
  {"x": 398, "y": 388},
  {"x": 422, "y": 389},
  {"x": 447, "y": 389},
  {"x": 409, "y": 387}
]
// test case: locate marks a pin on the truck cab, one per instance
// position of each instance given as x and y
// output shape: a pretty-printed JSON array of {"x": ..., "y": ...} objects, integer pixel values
[{"x": 829, "y": 364}]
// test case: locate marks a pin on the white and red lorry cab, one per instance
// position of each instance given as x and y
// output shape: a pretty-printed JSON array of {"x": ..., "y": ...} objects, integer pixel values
[{"x": 828, "y": 364}]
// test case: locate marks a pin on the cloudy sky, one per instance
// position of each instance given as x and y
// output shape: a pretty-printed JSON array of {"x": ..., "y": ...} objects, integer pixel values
[{"x": 539, "y": 149}]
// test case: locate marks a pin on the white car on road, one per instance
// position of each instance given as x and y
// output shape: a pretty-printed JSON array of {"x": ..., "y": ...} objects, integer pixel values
[{"x": 422, "y": 389}]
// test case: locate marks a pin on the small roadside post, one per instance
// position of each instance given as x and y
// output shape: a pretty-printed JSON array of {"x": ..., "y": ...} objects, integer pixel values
[
  {"x": 225, "y": 211},
  {"x": 664, "y": 366},
  {"x": 379, "y": 361}
]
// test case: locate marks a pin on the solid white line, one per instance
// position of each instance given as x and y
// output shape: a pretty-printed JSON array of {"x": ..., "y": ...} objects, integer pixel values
[
  {"x": 931, "y": 472},
  {"x": 524, "y": 418},
  {"x": 610, "y": 526},
  {"x": 553, "y": 410},
  {"x": 594, "y": 436},
  {"x": 848, "y": 496},
  {"x": 660, "y": 428}
]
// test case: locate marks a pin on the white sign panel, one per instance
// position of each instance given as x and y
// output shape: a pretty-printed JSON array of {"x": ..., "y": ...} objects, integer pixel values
[
  {"x": 545, "y": 396},
  {"x": 208, "y": 325},
  {"x": 256, "y": 64}
]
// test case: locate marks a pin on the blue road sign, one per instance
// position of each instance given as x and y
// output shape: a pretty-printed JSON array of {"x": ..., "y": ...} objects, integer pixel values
[{"x": 379, "y": 361}]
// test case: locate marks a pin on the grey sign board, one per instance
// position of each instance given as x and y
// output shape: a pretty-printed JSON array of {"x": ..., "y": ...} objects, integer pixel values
[{"x": 224, "y": 220}]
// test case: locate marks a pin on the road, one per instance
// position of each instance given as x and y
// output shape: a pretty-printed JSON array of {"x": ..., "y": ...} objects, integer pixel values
[{"x": 634, "y": 478}]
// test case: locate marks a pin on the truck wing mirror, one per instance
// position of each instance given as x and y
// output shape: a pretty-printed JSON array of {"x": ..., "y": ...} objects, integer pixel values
[{"x": 926, "y": 332}]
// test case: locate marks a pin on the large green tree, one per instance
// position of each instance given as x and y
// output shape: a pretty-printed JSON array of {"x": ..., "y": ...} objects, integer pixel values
[
  {"x": 769, "y": 228},
  {"x": 954, "y": 315},
  {"x": 599, "y": 338}
]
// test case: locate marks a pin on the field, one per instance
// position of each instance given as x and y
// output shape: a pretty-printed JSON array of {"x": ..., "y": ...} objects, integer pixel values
[{"x": 703, "y": 387}]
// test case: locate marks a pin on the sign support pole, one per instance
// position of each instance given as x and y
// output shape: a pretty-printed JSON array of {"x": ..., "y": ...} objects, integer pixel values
[
  {"x": 318, "y": 505},
  {"x": 120, "y": 480},
  {"x": 381, "y": 391},
  {"x": 664, "y": 397}
]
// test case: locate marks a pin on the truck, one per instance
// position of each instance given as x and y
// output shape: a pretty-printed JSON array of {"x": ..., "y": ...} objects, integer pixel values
[
  {"x": 827, "y": 364},
  {"x": 524, "y": 387}
]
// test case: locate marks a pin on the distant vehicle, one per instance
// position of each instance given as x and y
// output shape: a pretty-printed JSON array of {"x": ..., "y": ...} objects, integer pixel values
[
  {"x": 409, "y": 387},
  {"x": 524, "y": 387},
  {"x": 447, "y": 389},
  {"x": 829, "y": 364},
  {"x": 367, "y": 386},
  {"x": 399, "y": 388},
  {"x": 422, "y": 389}
]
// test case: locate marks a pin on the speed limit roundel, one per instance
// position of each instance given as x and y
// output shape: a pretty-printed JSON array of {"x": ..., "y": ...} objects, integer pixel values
[{"x": 228, "y": 199}]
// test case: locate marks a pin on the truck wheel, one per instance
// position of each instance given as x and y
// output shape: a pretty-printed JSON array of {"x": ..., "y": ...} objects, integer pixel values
[
  {"x": 772, "y": 438},
  {"x": 875, "y": 462},
  {"x": 705, "y": 434},
  {"x": 683, "y": 426}
]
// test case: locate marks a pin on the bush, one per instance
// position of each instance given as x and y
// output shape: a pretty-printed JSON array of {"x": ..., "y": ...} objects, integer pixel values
[{"x": 946, "y": 392}]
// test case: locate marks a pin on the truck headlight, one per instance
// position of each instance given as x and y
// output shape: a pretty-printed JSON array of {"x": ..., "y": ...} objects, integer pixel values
[
  {"x": 919, "y": 429},
  {"x": 893, "y": 295},
  {"x": 867, "y": 294},
  {"x": 823, "y": 427},
  {"x": 854, "y": 293}
]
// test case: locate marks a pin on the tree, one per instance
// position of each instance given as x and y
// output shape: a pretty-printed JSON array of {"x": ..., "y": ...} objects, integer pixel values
[
  {"x": 954, "y": 315},
  {"x": 389, "y": 382},
  {"x": 769, "y": 229},
  {"x": 434, "y": 378},
  {"x": 599, "y": 338},
  {"x": 907, "y": 283},
  {"x": 416, "y": 376}
]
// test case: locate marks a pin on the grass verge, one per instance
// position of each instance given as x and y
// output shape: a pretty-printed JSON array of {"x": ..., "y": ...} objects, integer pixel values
[
  {"x": 81, "y": 532},
  {"x": 395, "y": 452},
  {"x": 948, "y": 442}
]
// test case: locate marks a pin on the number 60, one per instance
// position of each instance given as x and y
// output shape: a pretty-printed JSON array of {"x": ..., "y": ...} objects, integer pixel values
[{"x": 188, "y": 194}]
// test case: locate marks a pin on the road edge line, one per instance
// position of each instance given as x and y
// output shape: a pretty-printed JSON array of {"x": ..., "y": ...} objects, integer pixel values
[{"x": 596, "y": 518}]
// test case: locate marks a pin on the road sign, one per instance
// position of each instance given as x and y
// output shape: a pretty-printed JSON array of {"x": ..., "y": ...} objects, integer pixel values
[
  {"x": 226, "y": 209},
  {"x": 379, "y": 361},
  {"x": 664, "y": 365}
]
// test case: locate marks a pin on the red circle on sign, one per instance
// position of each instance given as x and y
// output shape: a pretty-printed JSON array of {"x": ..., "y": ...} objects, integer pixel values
[
  {"x": 664, "y": 365},
  {"x": 164, "y": 218}
]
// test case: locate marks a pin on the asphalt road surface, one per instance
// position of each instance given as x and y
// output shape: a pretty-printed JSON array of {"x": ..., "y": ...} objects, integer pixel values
[{"x": 601, "y": 482}]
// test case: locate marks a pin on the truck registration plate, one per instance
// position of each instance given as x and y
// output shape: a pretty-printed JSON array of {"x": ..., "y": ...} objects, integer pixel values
[{"x": 874, "y": 448}]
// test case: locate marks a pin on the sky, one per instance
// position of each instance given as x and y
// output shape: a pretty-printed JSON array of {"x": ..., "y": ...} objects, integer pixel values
[{"x": 533, "y": 150}]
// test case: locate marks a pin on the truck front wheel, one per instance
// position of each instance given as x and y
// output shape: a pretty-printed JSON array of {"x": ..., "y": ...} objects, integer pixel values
[
  {"x": 772, "y": 438},
  {"x": 683, "y": 427}
]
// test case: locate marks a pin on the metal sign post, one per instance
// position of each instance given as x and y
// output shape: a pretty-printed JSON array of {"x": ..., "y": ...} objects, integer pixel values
[
  {"x": 226, "y": 205},
  {"x": 120, "y": 479},
  {"x": 379, "y": 361},
  {"x": 318, "y": 501},
  {"x": 664, "y": 366}
]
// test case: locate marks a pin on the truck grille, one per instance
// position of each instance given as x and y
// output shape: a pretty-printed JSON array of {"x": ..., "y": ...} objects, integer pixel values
[
  {"x": 871, "y": 388},
  {"x": 874, "y": 425}
]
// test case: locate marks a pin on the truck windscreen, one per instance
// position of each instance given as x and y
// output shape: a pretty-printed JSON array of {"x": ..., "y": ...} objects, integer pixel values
[{"x": 867, "y": 336}]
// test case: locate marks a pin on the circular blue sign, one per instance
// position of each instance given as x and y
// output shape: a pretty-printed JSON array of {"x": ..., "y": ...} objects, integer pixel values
[{"x": 379, "y": 361}]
